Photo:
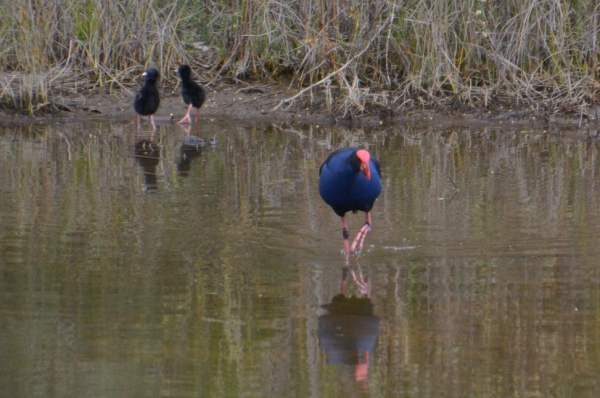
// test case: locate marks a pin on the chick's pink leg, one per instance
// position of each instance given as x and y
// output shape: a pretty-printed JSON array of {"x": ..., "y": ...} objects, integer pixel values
[
  {"x": 186, "y": 118},
  {"x": 152, "y": 123}
]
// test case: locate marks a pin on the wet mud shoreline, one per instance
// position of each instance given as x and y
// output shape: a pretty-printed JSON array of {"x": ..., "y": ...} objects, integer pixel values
[{"x": 264, "y": 102}]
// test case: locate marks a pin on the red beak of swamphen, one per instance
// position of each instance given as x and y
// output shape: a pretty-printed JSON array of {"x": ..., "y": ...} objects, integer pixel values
[{"x": 364, "y": 157}]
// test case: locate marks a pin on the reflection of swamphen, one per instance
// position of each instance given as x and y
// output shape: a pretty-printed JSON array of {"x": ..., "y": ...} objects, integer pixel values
[
  {"x": 147, "y": 100},
  {"x": 193, "y": 94},
  {"x": 348, "y": 333},
  {"x": 350, "y": 181}
]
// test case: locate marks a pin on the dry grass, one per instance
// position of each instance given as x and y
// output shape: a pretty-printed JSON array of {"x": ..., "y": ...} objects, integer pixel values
[{"x": 350, "y": 56}]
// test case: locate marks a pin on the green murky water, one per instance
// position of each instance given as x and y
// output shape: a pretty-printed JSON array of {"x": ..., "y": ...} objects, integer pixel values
[{"x": 150, "y": 271}]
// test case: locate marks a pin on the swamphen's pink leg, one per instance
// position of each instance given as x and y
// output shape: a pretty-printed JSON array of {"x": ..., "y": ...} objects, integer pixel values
[
  {"x": 346, "y": 236},
  {"x": 362, "y": 234}
]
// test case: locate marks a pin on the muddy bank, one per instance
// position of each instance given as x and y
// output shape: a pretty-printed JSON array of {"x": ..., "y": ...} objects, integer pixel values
[{"x": 262, "y": 102}]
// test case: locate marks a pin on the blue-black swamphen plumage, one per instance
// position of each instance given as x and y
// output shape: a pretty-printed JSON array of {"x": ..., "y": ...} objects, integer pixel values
[{"x": 350, "y": 180}]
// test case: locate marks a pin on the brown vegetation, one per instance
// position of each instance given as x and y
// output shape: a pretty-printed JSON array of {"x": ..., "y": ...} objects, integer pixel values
[{"x": 348, "y": 57}]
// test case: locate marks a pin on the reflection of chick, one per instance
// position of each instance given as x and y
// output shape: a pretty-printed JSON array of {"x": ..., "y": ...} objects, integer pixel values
[
  {"x": 147, "y": 154},
  {"x": 191, "y": 148},
  {"x": 348, "y": 333}
]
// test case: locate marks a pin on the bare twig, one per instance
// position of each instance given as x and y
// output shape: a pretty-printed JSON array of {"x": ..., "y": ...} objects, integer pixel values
[{"x": 329, "y": 76}]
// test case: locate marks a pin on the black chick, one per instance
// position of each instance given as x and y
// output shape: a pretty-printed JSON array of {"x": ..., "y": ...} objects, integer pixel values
[
  {"x": 147, "y": 99},
  {"x": 193, "y": 94}
]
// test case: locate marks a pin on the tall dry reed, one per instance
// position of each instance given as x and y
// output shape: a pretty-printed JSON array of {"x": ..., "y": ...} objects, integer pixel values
[{"x": 350, "y": 56}]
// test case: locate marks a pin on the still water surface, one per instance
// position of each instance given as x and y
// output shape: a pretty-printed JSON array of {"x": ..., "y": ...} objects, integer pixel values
[{"x": 133, "y": 268}]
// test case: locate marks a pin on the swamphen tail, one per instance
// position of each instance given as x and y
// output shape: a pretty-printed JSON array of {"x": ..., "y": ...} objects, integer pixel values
[{"x": 350, "y": 180}]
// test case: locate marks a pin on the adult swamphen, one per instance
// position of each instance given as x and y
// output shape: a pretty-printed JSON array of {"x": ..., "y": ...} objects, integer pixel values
[
  {"x": 147, "y": 99},
  {"x": 350, "y": 180},
  {"x": 193, "y": 94}
]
